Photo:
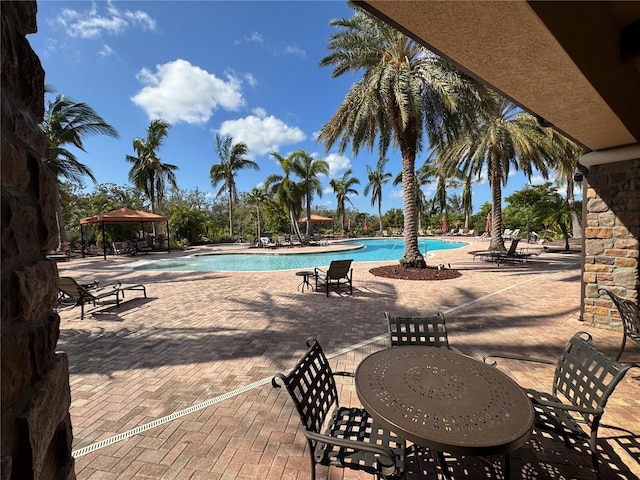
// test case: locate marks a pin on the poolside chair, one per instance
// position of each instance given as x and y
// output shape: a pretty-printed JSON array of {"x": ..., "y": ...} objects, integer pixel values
[
  {"x": 584, "y": 378},
  {"x": 501, "y": 256},
  {"x": 344, "y": 437},
  {"x": 630, "y": 315},
  {"x": 428, "y": 331},
  {"x": 142, "y": 247},
  {"x": 75, "y": 293},
  {"x": 267, "y": 243},
  {"x": 120, "y": 248},
  {"x": 339, "y": 274}
]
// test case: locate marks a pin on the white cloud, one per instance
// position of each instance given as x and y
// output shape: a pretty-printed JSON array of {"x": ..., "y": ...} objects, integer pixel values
[
  {"x": 337, "y": 163},
  {"x": 537, "y": 180},
  {"x": 181, "y": 92},
  {"x": 250, "y": 79},
  {"x": 106, "y": 51},
  {"x": 293, "y": 50},
  {"x": 255, "y": 37},
  {"x": 287, "y": 49},
  {"x": 261, "y": 132},
  {"x": 396, "y": 194},
  {"x": 91, "y": 24}
]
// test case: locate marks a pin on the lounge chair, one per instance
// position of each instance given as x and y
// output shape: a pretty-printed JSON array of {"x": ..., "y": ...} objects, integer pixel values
[
  {"x": 499, "y": 256},
  {"x": 345, "y": 437},
  {"x": 75, "y": 293},
  {"x": 267, "y": 243},
  {"x": 120, "y": 248},
  {"x": 142, "y": 247},
  {"x": 630, "y": 316},
  {"x": 584, "y": 378},
  {"x": 339, "y": 274}
]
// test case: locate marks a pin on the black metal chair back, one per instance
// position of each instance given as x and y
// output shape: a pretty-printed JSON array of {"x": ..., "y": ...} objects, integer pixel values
[
  {"x": 429, "y": 331},
  {"x": 350, "y": 438},
  {"x": 630, "y": 315},
  {"x": 312, "y": 387},
  {"x": 586, "y": 376}
]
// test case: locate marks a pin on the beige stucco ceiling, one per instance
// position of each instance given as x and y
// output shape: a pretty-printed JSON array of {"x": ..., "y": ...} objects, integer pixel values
[{"x": 558, "y": 60}]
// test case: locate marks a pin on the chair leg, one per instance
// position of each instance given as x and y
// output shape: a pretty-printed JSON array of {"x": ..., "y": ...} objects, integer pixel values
[{"x": 624, "y": 341}]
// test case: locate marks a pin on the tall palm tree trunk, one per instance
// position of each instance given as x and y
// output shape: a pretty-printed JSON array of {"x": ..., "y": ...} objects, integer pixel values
[
  {"x": 294, "y": 221},
  {"x": 258, "y": 220},
  {"x": 309, "y": 225},
  {"x": 576, "y": 226},
  {"x": 497, "y": 242},
  {"x": 380, "y": 213},
  {"x": 230, "y": 204},
  {"x": 412, "y": 256}
]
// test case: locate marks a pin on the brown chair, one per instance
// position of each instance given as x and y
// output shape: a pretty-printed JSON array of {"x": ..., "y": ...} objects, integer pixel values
[
  {"x": 74, "y": 293},
  {"x": 338, "y": 275},
  {"x": 427, "y": 331},
  {"x": 351, "y": 439},
  {"x": 584, "y": 377},
  {"x": 630, "y": 315}
]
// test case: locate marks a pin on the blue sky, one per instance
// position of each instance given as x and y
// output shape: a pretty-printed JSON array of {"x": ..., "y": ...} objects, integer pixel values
[{"x": 245, "y": 69}]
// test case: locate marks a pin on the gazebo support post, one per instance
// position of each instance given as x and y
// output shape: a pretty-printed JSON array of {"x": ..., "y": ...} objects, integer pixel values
[
  {"x": 104, "y": 242},
  {"x": 168, "y": 242},
  {"x": 82, "y": 239}
]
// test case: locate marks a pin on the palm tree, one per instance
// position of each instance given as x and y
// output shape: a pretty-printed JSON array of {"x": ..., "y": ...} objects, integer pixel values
[
  {"x": 257, "y": 196},
  {"x": 308, "y": 169},
  {"x": 148, "y": 174},
  {"x": 404, "y": 90},
  {"x": 503, "y": 136},
  {"x": 67, "y": 122},
  {"x": 232, "y": 158},
  {"x": 287, "y": 192},
  {"x": 377, "y": 178},
  {"x": 568, "y": 154},
  {"x": 343, "y": 187}
]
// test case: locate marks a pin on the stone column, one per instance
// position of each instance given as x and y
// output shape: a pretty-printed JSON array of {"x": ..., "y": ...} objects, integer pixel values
[
  {"x": 611, "y": 235},
  {"x": 36, "y": 427}
]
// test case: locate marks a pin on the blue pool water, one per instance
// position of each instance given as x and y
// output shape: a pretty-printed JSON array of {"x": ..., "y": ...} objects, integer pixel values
[{"x": 372, "y": 250}]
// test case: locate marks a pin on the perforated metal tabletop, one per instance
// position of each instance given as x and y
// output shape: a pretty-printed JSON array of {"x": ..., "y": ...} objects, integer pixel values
[{"x": 444, "y": 401}]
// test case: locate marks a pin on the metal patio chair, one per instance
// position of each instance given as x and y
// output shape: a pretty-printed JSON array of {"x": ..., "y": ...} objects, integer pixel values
[
  {"x": 585, "y": 377},
  {"x": 429, "y": 331},
  {"x": 339, "y": 274},
  {"x": 345, "y": 437},
  {"x": 630, "y": 315}
]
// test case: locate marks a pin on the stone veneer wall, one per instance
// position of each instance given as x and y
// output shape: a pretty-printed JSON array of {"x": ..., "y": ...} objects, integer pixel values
[
  {"x": 611, "y": 246},
  {"x": 36, "y": 428}
]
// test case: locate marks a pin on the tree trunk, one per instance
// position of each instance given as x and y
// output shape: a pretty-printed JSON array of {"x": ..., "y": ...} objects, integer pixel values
[
  {"x": 294, "y": 222},
  {"x": 497, "y": 242},
  {"x": 576, "y": 227},
  {"x": 230, "y": 217},
  {"x": 309, "y": 225},
  {"x": 380, "y": 214},
  {"x": 258, "y": 221},
  {"x": 412, "y": 256}
]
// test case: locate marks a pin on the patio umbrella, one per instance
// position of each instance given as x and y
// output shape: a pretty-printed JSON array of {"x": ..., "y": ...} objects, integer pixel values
[
  {"x": 316, "y": 219},
  {"x": 444, "y": 225},
  {"x": 487, "y": 226}
]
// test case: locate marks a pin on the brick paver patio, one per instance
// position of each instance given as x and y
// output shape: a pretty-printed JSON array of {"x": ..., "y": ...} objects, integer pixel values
[{"x": 177, "y": 386}]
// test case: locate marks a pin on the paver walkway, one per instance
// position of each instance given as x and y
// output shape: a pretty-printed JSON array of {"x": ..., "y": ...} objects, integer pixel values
[{"x": 177, "y": 386}]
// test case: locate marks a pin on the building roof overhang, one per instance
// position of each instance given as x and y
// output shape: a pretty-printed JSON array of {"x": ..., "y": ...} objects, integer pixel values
[{"x": 575, "y": 65}]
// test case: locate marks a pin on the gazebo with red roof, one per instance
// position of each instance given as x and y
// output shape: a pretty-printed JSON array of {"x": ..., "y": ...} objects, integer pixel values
[{"x": 120, "y": 216}]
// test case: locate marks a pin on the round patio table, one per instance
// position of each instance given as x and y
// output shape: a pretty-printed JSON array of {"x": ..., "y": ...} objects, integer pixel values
[
  {"x": 445, "y": 401},
  {"x": 306, "y": 275}
]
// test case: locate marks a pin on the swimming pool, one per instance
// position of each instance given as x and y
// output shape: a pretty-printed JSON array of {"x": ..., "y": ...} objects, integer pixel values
[{"x": 372, "y": 250}]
